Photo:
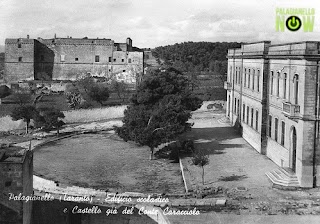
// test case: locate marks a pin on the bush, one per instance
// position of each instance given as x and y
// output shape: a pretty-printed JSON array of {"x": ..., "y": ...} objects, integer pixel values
[
  {"x": 4, "y": 92},
  {"x": 73, "y": 99},
  {"x": 85, "y": 105},
  {"x": 98, "y": 93}
]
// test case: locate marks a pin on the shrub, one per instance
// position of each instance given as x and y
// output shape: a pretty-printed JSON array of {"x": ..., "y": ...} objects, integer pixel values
[
  {"x": 98, "y": 93},
  {"x": 85, "y": 105},
  {"x": 4, "y": 92},
  {"x": 73, "y": 99}
]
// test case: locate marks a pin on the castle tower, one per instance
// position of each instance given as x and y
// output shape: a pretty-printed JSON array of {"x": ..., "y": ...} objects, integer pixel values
[{"x": 129, "y": 44}]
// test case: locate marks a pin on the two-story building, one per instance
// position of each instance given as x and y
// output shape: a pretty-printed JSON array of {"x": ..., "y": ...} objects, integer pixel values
[{"x": 273, "y": 95}]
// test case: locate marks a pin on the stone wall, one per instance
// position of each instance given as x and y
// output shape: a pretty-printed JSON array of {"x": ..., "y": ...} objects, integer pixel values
[
  {"x": 67, "y": 59},
  {"x": 19, "y": 60}
]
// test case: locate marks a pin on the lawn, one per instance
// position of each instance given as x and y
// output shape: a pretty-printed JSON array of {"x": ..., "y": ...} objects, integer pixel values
[{"x": 103, "y": 161}]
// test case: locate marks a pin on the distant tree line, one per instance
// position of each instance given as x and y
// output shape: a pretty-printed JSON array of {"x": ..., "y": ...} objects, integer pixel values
[{"x": 196, "y": 56}]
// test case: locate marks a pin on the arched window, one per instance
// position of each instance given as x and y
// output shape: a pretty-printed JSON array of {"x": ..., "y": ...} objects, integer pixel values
[{"x": 296, "y": 88}]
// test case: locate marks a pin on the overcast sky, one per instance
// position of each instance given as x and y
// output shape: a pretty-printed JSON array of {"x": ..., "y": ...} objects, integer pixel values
[{"x": 152, "y": 23}]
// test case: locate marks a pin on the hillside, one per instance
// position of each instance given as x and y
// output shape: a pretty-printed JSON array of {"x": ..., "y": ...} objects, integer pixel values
[
  {"x": 205, "y": 63},
  {"x": 196, "y": 56}
]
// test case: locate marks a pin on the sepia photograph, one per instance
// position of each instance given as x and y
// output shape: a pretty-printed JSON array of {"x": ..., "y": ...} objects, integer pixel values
[{"x": 157, "y": 111}]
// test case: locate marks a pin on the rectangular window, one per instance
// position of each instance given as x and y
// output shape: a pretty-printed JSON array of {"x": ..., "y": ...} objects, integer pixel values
[
  {"x": 97, "y": 58},
  {"x": 114, "y": 60},
  {"x": 257, "y": 120},
  {"x": 271, "y": 84},
  {"x": 278, "y": 84},
  {"x": 124, "y": 70},
  {"x": 253, "y": 78},
  {"x": 283, "y": 130},
  {"x": 235, "y": 106},
  {"x": 62, "y": 58},
  {"x": 239, "y": 75},
  {"x": 20, "y": 59},
  {"x": 276, "y": 129},
  {"x": 258, "y": 80},
  {"x": 19, "y": 45},
  {"x": 285, "y": 86},
  {"x": 129, "y": 60},
  {"x": 243, "y": 112},
  {"x": 122, "y": 60},
  {"x": 110, "y": 59},
  {"x": 247, "y": 115},
  {"x": 251, "y": 117},
  {"x": 245, "y": 78},
  {"x": 238, "y": 106},
  {"x": 270, "y": 126},
  {"x": 249, "y": 78},
  {"x": 236, "y": 77},
  {"x": 76, "y": 59}
]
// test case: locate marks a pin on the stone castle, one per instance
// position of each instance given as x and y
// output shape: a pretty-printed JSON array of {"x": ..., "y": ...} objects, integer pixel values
[{"x": 68, "y": 58}]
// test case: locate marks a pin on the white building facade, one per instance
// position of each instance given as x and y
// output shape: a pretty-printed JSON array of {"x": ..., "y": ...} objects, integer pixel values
[{"x": 273, "y": 96}]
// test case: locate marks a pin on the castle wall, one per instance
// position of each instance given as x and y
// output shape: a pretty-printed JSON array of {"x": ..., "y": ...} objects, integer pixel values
[{"x": 68, "y": 59}]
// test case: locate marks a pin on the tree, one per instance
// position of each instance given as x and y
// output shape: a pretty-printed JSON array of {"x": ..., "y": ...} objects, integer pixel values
[
  {"x": 160, "y": 109},
  {"x": 25, "y": 112},
  {"x": 201, "y": 159},
  {"x": 22, "y": 98},
  {"x": 86, "y": 82},
  {"x": 98, "y": 93},
  {"x": 49, "y": 118},
  {"x": 4, "y": 92},
  {"x": 120, "y": 88}
]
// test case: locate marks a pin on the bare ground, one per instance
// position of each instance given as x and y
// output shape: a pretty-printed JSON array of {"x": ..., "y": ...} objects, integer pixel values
[{"x": 103, "y": 161}]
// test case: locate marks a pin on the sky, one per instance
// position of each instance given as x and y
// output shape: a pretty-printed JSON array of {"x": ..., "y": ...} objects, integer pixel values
[{"x": 152, "y": 23}]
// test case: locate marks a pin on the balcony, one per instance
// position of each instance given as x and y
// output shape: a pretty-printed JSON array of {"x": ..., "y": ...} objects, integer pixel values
[
  {"x": 290, "y": 110},
  {"x": 227, "y": 85}
]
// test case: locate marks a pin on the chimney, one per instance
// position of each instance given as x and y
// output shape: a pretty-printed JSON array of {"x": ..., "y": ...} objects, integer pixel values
[
  {"x": 55, "y": 36},
  {"x": 28, "y": 36}
]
